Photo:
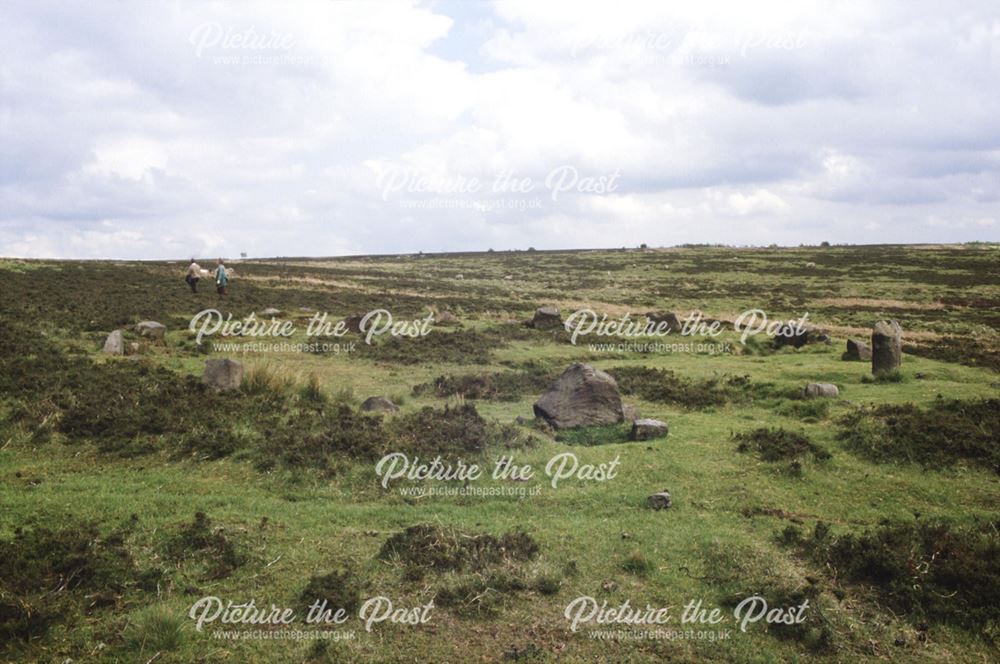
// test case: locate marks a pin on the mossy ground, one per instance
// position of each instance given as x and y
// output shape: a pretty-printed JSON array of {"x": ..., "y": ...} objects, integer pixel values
[{"x": 285, "y": 477}]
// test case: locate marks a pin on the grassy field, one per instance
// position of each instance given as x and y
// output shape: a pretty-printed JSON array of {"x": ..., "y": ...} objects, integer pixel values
[{"x": 129, "y": 491}]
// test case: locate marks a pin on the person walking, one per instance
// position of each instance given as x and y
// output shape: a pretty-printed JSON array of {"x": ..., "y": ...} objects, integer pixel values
[
  {"x": 193, "y": 276},
  {"x": 221, "y": 278}
]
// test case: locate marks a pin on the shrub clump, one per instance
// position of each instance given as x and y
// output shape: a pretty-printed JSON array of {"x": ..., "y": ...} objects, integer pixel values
[
  {"x": 46, "y": 575},
  {"x": 931, "y": 570},
  {"x": 665, "y": 386},
  {"x": 339, "y": 589},
  {"x": 499, "y": 386},
  {"x": 946, "y": 432},
  {"x": 441, "y": 548},
  {"x": 778, "y": 444}
]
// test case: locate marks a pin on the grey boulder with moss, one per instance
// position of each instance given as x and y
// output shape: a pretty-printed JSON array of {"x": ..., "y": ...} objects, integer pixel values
[{"x": 582, "y": 396}]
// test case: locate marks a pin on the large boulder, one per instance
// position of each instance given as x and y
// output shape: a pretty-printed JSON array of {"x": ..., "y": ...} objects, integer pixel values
[
  {"x": 379, "y": 404},
  {"x": 151, "y": 329},
  {"x": 581, "y": 396},
  {"x": 223, "y": 374},
  {"x": 663, "y": 321},
  {"x": 647, "y": 429},
  {"x": 114, "y": 344},
  {"x": 821, "y": 390},
  {"x": 546, "y": 318},
  {"x": 887, "y": 346},
  {"x": 857, "y": 351}
]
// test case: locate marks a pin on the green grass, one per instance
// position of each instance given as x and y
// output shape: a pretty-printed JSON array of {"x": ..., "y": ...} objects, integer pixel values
[{"x": 290, "y": 525}]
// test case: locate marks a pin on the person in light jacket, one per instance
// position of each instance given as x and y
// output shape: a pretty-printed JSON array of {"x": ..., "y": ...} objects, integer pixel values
[{"x": 193, "y": 275}]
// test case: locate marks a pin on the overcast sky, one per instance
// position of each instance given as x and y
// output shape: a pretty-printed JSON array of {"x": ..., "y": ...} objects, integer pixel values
[{"x": 169, "y": 129}]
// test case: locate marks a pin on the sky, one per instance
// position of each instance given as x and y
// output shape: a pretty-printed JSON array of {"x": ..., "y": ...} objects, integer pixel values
[{"x": 156, "y": 130}]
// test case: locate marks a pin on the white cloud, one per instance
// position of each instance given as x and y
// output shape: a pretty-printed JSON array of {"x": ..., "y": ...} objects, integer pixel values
[{"x": 728, "y": 122}]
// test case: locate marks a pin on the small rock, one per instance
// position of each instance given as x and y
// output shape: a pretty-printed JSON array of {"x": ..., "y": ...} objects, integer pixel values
[
  {"x": 663, "y": 321},
  {"x": 920, "y": 375},
  {"x": 446, "y": 318},
  {"x": 522, "y": 420},
  {"x": 648, "y": 429},
  {"x": 114, "y": 344},
  {"x": 459, "y": 276},
  {"x": 151, "y": 329},
  {"x": 134, "y": 348},
  {"x": 270, "y": 311},
  {"x": 546, "y": 318},
  {"x": 857, "y": 351},
  {"x": 223, "y": 374},
  {"x": 660, "y": 500},
  {"x": 821, "y": 390},
  {"x": 353, "y": 323},
  {"x": 379, "y": 404}
]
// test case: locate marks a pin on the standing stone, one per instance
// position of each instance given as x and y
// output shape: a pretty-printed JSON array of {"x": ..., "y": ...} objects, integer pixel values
[
  {"x": 223, "y": 374},
  {"x": 382, "y": 404},
  {"x": 660, "y": 500},
  {"x": 668, "y": 319},
  {"x": 647, "y": 429},
  {"x": 114, "y": 344},
  {"x": 887, "y": 346},
  {"x": 857, "y": 351},
  {"x": 546, "y": 318},
  {"x": 151, "y": 329},
  {"x": 581, "y": 396},
  {"x": 821, "y": 390}
]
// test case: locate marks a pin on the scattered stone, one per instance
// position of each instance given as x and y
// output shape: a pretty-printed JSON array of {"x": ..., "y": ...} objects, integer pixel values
[
  {"x": 522, "y": 420},
  {"x": 887, "y": 346},
  {"x": 648, "y": 429},
  {"x": 660, "y": 500},
  {"x": 353, "y": 323},
  {"x": 810, "y": 264},
  {"x": 459, "y": 276},
  {"x": 857, "y": 351},
  {"x": 151, "y": 329},
  {"x": 379, "y": 404},
  {"x": 133, "y": 348},
  {"x": 672, "y": 322},
  {"x": 446, "y": 318},
  {"x": 508, "y": 277},
  {"x": 920, "y": 375},
  {"x": 270, "y": 311},
  {"x": 630, "y": 413},
  {"x": 581, "y": 396},
  {"x": 546, "y": 318},
  {"x": 114, "y": 345},
  {"x": 806, "y": 334},
  {"x": 223, "y": 374},
  {"x": 821, "y": 390}
]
